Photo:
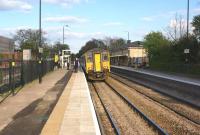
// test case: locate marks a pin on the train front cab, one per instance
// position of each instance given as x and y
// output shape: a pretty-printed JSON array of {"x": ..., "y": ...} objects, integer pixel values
[{"x": 100, "y": 70}]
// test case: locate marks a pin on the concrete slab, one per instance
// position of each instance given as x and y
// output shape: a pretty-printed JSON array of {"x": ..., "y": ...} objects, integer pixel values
[
  {"x": 28, "y": 94},
  {"x": 77, "y": 111}
]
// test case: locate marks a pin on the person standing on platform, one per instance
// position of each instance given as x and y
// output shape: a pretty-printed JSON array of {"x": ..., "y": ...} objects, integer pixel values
[
  {"x": 68, "y": 65},
  {"x": 56, "y": 59},
  {"x": 76, "y": 65}
]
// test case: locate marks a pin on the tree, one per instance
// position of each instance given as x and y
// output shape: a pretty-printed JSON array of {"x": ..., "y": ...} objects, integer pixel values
[
  {"x": 58, "y": 47},
  {"x": 94, "y": 43},
  {"x": 177, "y": 28},
  {"x": 153, "y": 42},
  {"x": 189, "y": 43},
  {"x": 116, "y": 43},
  {"x": 28, "y": 39},
  {"x": 196, "y": 25}
]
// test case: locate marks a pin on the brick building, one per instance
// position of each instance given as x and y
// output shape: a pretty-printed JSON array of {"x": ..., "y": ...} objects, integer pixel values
[{"x": 6, "y": 45}]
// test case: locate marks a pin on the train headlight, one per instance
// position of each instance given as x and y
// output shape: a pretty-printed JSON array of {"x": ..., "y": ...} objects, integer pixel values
[{"x": 90, "y": 67}]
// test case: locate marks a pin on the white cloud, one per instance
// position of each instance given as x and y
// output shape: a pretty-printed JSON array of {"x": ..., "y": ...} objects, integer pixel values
[
  {"x": 196, "y": 11},
  {"x": 170, "y": 14},
  {"x": 65, "y": 3},
  {"x": 147, "y": 19},
  {"x": 56, "y": 33},
  {"x": 14, "y": 5},
  {"x": 173, "y": 23},
  {"x": 66, "y": 19},
  {"x": 9, "y": 32},
  {"x": 113, "y": 24}
]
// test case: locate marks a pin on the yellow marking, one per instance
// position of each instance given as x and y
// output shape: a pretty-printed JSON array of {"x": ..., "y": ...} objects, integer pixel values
[
  {"x": 13, "y": 64},
  {"x": 97, "y": 58},
  {"x": 56, "y": 58}
]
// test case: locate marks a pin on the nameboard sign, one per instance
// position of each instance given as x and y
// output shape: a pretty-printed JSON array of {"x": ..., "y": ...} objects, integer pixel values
[{"x": 27, "y": 54}]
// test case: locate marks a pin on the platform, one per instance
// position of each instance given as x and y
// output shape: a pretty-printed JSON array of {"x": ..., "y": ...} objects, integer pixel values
[
  {"x": 74, "y": 113},
  {"x": 184, "y": 79}
]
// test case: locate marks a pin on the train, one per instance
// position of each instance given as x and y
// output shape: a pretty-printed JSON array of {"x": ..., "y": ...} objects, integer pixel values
[{"x": 96, "y": 64}]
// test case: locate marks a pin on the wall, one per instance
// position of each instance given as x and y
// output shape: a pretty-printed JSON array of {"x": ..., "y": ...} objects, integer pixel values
[{"x": 137, "y": 52}]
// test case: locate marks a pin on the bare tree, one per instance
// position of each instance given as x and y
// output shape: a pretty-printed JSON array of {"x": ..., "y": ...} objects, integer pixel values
[{"x": 177, "y": 28}]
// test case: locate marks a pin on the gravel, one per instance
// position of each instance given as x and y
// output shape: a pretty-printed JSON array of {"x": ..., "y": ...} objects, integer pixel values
[
  {"x": 127, "y": 120},
  {"x": 182, "y": 109},
  {"x": 107, "y": 127},
  {"x": 163, "y": 116}
]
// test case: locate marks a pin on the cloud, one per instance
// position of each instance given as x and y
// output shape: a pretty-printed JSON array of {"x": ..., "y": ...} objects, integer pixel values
[
  {"x": 174, "y": 23},
  {"x": 196, "y": 11},
  {"x": 65, "y": 3},
  {"x": 113, "y": 24},
  {"x": 183, "y": 12},
  {"x": 14, "y": 5},
  {"x": 147, "y": 19},
  {"x": 65, "y": 19},
  {"x": 56, "y": 33}
]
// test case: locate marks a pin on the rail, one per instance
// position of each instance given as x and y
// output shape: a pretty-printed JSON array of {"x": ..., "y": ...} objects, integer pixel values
[
  {"x": 146, "y": 95},
  {"x": 163, "y": 85},
  {"x": 150, "y": 122},
  {"x": 114, "y": 125}
]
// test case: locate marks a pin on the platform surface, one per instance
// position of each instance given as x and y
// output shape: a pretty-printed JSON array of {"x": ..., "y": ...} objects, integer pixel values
[
  {"x": 30, "y": 93},
  {"x": 74, "y": 113},
  {"x": 184, "y": 79}
]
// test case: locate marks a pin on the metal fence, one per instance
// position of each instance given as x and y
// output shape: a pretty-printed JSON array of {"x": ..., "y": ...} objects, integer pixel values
[{"x": 17, "y": 73}]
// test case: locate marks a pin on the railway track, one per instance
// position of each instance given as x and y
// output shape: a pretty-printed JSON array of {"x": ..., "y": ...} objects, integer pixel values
[
  {"x": 194, "y": 117},
  {"x": 122, "y": 112},
  {"x": 112, "y": 124},
  {"x": 185, "y": 92},
  {"x": 165, "y": 117}
]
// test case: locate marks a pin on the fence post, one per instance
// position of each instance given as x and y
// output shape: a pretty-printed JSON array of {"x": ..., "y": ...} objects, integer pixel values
[
  {"x": 10, "y": 74},
  {"x": 13, "y": 74},
  {"x": 22, "y": 72}
]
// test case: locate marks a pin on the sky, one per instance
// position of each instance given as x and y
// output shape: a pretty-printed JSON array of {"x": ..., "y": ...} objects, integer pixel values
[{"x": 88, "y": 19}]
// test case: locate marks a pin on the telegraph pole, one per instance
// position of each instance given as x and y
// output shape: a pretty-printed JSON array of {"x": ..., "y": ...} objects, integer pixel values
[
  {"x": 63, "y": 35},
  {"x": 40, "y": 44},
  {"x": 188, "y": 10}
]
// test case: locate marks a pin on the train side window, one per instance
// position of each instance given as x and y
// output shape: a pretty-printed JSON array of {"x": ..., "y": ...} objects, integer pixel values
[
  {"x": 105, "y": 56},
  {"x": 89, "y": 57}
]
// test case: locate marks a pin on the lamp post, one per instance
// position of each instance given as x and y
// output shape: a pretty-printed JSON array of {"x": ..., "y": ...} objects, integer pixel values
[
  {"x": 64, "y": 33},
  {"x": 188, "y": 11},
  {"x": 40, "y": 45},
  {"x": 187, "y": 50}
]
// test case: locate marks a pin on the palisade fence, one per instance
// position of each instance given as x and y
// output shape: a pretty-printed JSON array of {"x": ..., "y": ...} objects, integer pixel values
[{"x": 14, "y": 73}]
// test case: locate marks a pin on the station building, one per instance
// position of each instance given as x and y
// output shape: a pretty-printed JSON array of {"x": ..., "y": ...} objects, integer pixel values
[
  {"x": 6, "y": 45},
  {"x": 65, "y": 58},
  {"x": 132, "y": 54}
]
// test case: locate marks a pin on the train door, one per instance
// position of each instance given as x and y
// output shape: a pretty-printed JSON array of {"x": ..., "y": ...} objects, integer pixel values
[{"x": 97, "y": 62}]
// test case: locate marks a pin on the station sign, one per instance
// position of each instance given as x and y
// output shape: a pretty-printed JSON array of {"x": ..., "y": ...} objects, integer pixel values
[
  {"x": 27, "y": 54},
  {"x": 186, "y": 51},
  {"x": 40, "y": 50}
]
